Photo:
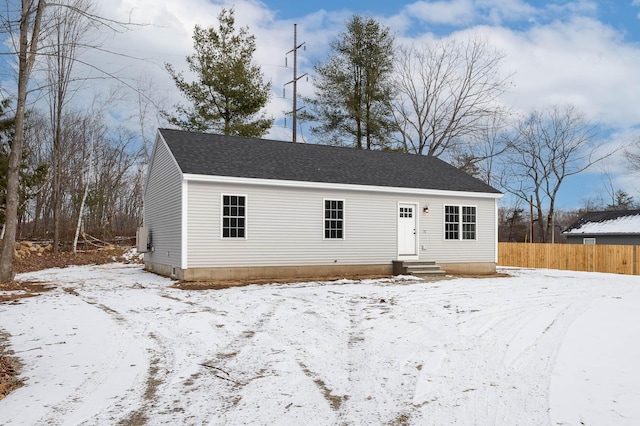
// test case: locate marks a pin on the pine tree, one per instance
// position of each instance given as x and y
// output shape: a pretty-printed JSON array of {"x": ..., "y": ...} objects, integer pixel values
[
  {"x": 353, "y": 87},
  {"x": 229, "y": 92}
]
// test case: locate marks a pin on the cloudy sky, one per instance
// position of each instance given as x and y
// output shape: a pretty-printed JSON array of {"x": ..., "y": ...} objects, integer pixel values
[{"x": 582, "y": 52}]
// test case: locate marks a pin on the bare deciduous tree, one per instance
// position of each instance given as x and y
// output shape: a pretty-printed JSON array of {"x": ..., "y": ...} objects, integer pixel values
[
  {"x": 100, "y": 161},
  {"x": 29, "y": 32},
  {"x": 86, "y": 176},
  {"x": 479, "y": 155},
  {"x": 447, "y": 93},
  {"x": 114, "y": 169},
  {"x": 70, "y": 28},
  {"x": 549, "y": 146},
  {"x": 633, "y": 155},
  {"x": 28, "y": 26}
]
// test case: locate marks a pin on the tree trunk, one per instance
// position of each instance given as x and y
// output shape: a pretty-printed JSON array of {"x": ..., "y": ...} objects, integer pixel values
[
  {"x": 368, "y": 123},
  {"x": 13, "y": 175},
  {"x": 26, "y": 56},
  {"x": 57, "y": 164},
  {"x": 542, "y": 234},
  {"x": 56, "y": 202},
  {"x": 79, "y": 223},
  {"x": 84, "y": 197}
]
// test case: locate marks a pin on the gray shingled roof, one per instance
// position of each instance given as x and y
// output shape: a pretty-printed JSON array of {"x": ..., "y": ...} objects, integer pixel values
[{"x": 210, "y": 154}]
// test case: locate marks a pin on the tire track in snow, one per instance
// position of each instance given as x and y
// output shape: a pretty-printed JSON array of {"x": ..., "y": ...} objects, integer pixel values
[
  {"x": 157, "y": 333},
  {"x": 375, "y": 376},
  {"x": 176, "y": 346},
  {"x": 454, "y": 352},
  {"x": 249, "y": 355},
  {"x": 523, "y": 344},
  {"x": 358, "y": 361},
  {"x": 101, "y": 375}
]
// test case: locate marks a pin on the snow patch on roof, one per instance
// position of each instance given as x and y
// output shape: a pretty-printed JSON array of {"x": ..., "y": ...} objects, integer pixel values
[{"x": 621, "y": 225}]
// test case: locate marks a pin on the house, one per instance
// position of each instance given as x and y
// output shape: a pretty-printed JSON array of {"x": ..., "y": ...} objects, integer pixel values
[
  {"x": 606, "y": 227},
  {"x": 225, "y": 207}
]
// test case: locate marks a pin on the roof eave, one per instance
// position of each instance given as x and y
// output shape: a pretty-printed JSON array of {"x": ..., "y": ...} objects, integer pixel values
[{"x": 336, "y": 186}]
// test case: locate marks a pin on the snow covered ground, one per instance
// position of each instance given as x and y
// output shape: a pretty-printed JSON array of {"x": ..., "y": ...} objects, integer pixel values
[{"x": 113, "y": 344}]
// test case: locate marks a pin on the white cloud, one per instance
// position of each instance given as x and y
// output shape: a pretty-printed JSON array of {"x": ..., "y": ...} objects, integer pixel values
[
  {"x": 588, "y": 64},
  {"x": 560, "y": 54},
  {"x": 455, "y": 12},
  {"x": 498, "y": 11},
  {"x": 466, "y": 12},
  {"x": 166, "y": 38},
  {"x": 581, "y": 61},
  {"x": 577, "y": 60},
  {"x": 580, "y": 7}
]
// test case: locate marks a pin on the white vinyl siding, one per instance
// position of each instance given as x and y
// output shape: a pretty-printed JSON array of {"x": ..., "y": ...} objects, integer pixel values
[
  {"x": 294, "y": 235},
  {"x": 288, "y": 228},
  {"x": 482, "y": 249},
  {"x": 163, "y": 208}
]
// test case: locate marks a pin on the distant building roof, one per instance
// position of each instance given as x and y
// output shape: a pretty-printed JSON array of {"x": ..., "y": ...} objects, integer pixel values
[
  {"x": 606, "y": 222},
  {"x": 218, "y": 155}
]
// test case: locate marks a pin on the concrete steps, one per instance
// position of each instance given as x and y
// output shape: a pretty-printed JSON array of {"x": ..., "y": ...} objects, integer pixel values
[{"x": 418, "y": 269}]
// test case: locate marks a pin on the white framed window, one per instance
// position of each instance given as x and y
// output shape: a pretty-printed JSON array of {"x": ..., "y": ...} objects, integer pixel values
[
  {"x": 460, "y": 222},
  {"x": 589, "y": 241},
  {"x": 234, "y": 216},
  {"x": 451, "y": 222},
  {"x": 333, "y": 219},
  {"x": 468, "y": 222}
]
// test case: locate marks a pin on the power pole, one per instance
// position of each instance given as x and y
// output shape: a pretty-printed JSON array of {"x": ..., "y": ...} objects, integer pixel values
[{"x": 294, "y": 111}]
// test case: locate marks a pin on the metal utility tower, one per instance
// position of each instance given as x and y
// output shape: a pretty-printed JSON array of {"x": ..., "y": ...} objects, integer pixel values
[{"x": 294, "y": 111}]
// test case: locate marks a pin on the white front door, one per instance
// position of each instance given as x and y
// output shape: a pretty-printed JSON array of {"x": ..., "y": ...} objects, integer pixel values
[{"x": 407, "y": 229}]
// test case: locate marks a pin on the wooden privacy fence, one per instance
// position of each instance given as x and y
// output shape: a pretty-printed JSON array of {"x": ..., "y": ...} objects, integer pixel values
[{"x": 574, "y": 257}]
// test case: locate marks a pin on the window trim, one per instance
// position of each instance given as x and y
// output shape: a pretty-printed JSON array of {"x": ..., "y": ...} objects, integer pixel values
[
  {"x": 461, "y": 223},
  {"x": 343, "y": 220},
  {"x": 246, "y": 215},
  {"x": 445, "y": 223}
]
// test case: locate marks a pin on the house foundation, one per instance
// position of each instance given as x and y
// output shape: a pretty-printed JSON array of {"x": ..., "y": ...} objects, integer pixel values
[
  {"x": 271, "y": 272},
  {"x": 302, "y": 272}
]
